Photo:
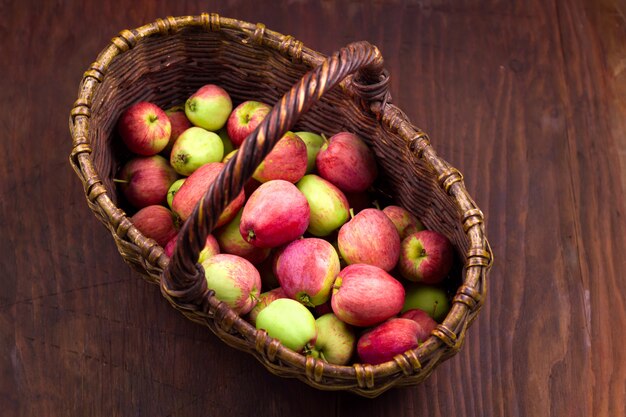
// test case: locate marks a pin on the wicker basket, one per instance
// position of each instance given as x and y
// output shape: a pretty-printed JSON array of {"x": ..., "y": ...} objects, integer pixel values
[{"x": 165, "y": 62}]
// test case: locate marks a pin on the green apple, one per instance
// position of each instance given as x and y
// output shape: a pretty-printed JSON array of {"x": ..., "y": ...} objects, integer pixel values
[
  {"x": 209, "y": 107},
  {"x": 195, "y": 147},
  {"x": 228, "y": 144},
  {"x": 173, "y": 190},
  {"x": 429, "y": 298},
  {"x": 329, "y": 206},
  {"x": 229, "y": 156},
  {"x": 265, "y": 299},
  {"x": 313, "y": 144},
  {"x": 290, "y": 322},
  {"x": 235, "y": 281},
  {"x": 336, "y": 340}
]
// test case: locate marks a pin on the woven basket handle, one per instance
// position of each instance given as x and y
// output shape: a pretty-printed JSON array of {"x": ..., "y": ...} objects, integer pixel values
[{"x": 184, "y": 281}]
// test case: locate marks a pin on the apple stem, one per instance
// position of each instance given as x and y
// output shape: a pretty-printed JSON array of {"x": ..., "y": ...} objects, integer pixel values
[
  {"x": 322, "y": 356},
  {"x": 376, "y": 204},
  {"x": 120, "y": 181},
  {"x": 351, "y": 213},
  {"x": 324, "y": 137}
]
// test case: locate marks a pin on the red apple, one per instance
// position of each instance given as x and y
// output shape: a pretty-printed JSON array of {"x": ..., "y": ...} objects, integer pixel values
[
  {"x": 306, "y": 270},
  {"x": 235, "y": 281},
  {"x": 405, "y": 222},
  {"x": 210, "y": 248},
  {"x": 275, "y": 214},
  {"x": 426, "y": 256},
  {"x": 145, "y": 128},
  {"x": 335, "y": 341},
  {"x": 347, "y": 162},
  {"x": 244, "y": 119},
  {"x": 286, "y": 161},
  {"x": 231, "y": 241},
  {"x": 195, "y": 186},
  {"x": 387, "y": 340},
  {"x": 170, "y": 246},
  {"x": 365, "y": 295},
  {"x": 370, "y": 238},
  {"x": 145, "y": 180},
  {"x": 265, "y": 299},
  {"x": 179, "y": 123},
  {"x": 427, "y": 324},
  {"x": 209, "y": 107},
  {"x": 322, "y": 309},
  {"x": 155, "y": 222},
  {"x": 195, "y": 147}
]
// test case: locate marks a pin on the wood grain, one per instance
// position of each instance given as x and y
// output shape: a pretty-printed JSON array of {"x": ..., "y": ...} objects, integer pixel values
[{"x": 527, "y": 99}]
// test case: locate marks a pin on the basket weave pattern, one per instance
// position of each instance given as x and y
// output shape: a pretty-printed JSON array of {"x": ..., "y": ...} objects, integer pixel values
[{"x": 165, "y": 62}]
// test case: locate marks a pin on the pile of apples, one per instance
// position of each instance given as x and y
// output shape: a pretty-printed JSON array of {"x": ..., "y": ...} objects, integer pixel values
[{"x": 304, "y": 252}]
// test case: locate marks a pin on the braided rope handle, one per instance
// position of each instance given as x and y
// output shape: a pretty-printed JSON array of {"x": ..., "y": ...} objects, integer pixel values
[{"x": 183, "y": 280}]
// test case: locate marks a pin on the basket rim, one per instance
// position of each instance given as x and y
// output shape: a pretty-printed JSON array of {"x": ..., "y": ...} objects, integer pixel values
[{"x": 444, "y": 341}]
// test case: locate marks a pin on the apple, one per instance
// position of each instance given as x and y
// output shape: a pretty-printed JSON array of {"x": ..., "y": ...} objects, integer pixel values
[
  {"x": 229, "y": 156},
  {"x": 173, "y": 190},
  {"x": 427, "y": 324},
  {"x": 329, "y": 207},
  {"x": 347, "y": 162},
  {"x": 391, "y": 338},
  {"x": 144, "y": 128},
  {"x": 322, "y": 309},
  {"x": 313, "y": 143},
  {"x": 244, "y": 119},
  {"x": 155, "y": 222},
  {"x": 228, "y": 144},
  {"x": 194, "y": 188},
  {"x": 195, "y": 147},
  {"x": 209, "y": 107},
  {"x": 290, "y": 322},
  {"x": 275, "y": 214},
  {"x": 370, "y": 238},
  {"x": 432, "y": 299},
  {"x": 426, "y": 256},
  {"x": 179, "y": 123},
  {"x": 286, "y": 161},
  {"x": 405, "y": 222},
  {"x": 306, "y": 270},
  {"x": 145, "y": 180},
  {"x": 210, "y": 248},
  {"x": 168, "y": 249},
  {"x": 265, "y": 299},
  {"x": 266, "y": 269},
  {"x": 365, "y": 295},
  {"x": 235, "y": 281},
  {"x": 231, "y": 241},
  {"x": 336, "y": 340}
]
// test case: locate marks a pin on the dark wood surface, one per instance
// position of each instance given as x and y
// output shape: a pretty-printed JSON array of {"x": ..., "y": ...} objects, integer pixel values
[{"x": 527, "y": 99}]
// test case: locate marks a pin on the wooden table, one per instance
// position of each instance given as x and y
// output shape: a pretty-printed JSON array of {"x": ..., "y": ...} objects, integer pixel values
[{"x": 527, "y": 99}]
